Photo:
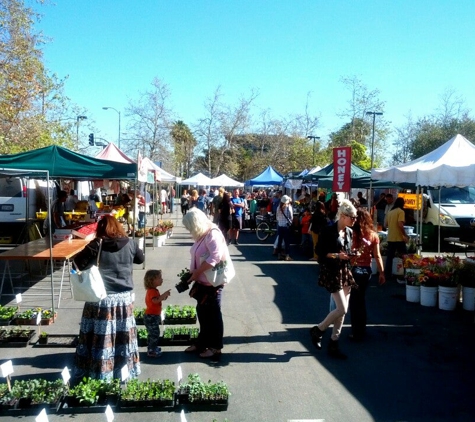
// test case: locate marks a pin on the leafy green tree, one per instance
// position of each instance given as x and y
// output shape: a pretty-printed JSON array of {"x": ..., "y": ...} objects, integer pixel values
[
  {"x": 29, "y": 96},
  {"x": 184, "y": 145}
]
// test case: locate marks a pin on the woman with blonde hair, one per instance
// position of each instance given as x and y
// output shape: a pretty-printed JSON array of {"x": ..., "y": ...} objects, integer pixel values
[
  {"x": 334, "y": 250},
  {"x": 207, "y": 251}
]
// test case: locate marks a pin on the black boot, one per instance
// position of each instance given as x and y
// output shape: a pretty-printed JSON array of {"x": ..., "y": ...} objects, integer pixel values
[
  {"x": 316, "y": 335},
  {"x": 334, "y": 350}
]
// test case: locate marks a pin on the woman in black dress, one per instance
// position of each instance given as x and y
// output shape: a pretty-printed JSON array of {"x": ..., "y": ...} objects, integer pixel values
[{"x": 334, "y": 250}]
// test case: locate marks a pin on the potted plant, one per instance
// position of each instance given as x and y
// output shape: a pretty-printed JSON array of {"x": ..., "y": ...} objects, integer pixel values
[
  {"x": 47, "y": 316},
  {"x": 7, "y": 401},
  {"x": 148, "y": 395},
  {"x": 168, "y": 224},
  {"x": 140, "y": 237},
  {"x": 184, "y": 276},
  {"x": 35, "y": 393},
  {"x": 7, "y": 313},
  {"x": 467, "y": 280},
  {"x": 142, "y": 337},
  {"x": 159, "y": 233},
  {"x": 18, "y": 336},
  {"x": 139, "y": 314},
  {"x": 197, "y": 395},
  {"x": 27, "y": 317},
  {"x": 43, "y": 338},
  {"x": 179, "y": 335},
  {"x": 93, "y": 392},
  {"x": 174, "y": 314}
]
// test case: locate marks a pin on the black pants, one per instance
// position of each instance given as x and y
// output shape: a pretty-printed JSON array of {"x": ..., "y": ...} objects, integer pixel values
[
  {"x": 357, "y": 303},
  {"x": 211, "y": 324}
]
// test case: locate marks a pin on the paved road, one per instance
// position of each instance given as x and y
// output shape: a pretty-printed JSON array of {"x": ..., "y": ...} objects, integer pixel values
[{"x": 416, "y": 365}]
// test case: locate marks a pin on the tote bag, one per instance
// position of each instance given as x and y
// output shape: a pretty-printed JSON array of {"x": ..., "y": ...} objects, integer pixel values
[
  {"x": 87, "y": 285},
  {"x": 222, "y": 273}
]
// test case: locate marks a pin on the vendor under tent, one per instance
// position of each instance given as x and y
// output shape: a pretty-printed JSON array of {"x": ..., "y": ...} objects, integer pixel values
[
  {"x": 269, "y": 177},
  {"x": 225, "y": 181},
  {"x": 451, "y": 164}
]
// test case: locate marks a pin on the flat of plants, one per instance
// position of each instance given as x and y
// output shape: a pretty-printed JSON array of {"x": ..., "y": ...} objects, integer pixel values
[{"x": 57, "y": 340}]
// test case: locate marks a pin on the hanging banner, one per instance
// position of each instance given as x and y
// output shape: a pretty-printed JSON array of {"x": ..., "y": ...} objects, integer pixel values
[
  {"x": 142, "y": 168},
  {"x": 341, "y": 169}
]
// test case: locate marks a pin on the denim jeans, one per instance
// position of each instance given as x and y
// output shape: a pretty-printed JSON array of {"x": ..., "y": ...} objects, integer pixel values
[{"x": 284, "y": 235}]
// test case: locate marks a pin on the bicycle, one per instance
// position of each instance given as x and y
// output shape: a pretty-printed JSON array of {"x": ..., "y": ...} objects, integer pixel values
[{"x": 267, "y": 227}]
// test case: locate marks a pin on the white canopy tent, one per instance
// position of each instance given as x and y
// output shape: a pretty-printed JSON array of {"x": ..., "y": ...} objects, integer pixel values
[
  {"x": 451, "y": 164},
  {"x": 226, "y": 181},
  {"x": 197, "y": 180},
  {"x": 160, "y": 174}
]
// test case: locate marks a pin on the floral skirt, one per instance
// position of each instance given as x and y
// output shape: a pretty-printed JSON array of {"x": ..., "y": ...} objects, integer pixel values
[
  {"x": 333, "y": 279},
  {"x": 107, "y": 339}
]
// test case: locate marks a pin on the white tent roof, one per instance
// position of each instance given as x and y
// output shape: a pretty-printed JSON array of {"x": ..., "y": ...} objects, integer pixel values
[
  {"x": 198, "y": 179},
  {"x": 452, "y": 164},
  {"x": 160, "y": 174},
  {"x": 224, "y": 180},
  {"x": 112, "y": 153}
]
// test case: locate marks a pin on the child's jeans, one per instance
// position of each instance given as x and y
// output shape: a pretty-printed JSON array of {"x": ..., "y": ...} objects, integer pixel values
[{"x": 152, "y": 324}]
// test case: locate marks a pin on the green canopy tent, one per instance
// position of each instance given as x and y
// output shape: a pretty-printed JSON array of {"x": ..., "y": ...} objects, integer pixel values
[{"x": 63, "y": 163}]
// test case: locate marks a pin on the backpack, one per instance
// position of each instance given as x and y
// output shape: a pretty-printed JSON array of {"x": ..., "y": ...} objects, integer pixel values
[{"x": 201, "y": 203}]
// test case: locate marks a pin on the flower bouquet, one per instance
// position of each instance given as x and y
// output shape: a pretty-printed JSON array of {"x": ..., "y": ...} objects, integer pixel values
[
  {"x": 466, "y": 273},
  {"x": 159, "y": 230},
  {"x": 440, "y": 271}
]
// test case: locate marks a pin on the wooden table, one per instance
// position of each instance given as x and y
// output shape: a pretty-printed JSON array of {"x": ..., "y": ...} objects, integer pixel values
[{"x": 39, "y": 250}]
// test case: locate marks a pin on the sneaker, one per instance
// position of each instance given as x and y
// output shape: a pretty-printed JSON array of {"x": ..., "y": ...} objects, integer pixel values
[
  {"x": 158, "y": 350},
  {"x": 236, "y": 243},
  {"x": 154, "y": 354},
  {"x": 401, "y": 280}
]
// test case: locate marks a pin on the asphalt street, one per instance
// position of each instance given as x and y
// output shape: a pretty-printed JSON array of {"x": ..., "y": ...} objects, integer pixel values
[{"x": 417, "y": 363}]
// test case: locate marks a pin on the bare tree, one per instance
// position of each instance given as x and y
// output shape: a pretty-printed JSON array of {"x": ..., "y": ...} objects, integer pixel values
[{"x": 151, "y": 121}]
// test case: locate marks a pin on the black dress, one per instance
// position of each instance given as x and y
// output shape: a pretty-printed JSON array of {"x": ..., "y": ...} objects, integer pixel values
[{"x": 334, "y": 273}]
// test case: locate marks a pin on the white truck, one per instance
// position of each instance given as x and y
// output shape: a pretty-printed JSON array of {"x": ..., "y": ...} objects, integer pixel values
[{"x": 20, "y": 199}]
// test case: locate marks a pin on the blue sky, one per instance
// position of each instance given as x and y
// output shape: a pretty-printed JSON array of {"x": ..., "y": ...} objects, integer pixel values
[{"x": 410, "y": 50}]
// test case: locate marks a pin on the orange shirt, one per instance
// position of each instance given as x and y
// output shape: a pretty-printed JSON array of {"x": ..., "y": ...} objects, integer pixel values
[
  {"x": 152, "y": 308},
  {"x": 306, "y": 223}
]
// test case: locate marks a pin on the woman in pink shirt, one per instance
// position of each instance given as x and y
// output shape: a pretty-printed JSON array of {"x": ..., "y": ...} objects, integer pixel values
[
  {"x": 366, "y": 242},
  {"x": 207, "y": 251}
]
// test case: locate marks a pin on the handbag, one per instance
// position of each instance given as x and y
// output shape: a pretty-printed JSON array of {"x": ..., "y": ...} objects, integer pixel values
[{"x": 87, "y": 285}]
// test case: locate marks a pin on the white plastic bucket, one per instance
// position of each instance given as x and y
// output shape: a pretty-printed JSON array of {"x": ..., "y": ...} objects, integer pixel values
[
  {"x": 156, "y": 242},
  {"x": 398, "y": 268},
  {"x": 413, "y": 293},
  {"x": 468, "y": 298},
  {"x": 428, "y": 296},
  {"x": 140, "y": 242},
  {"x": 447, "y": 298}
]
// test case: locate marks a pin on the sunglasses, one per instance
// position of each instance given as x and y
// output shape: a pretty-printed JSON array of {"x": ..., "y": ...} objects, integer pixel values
[{"x": 350, "y": 216}]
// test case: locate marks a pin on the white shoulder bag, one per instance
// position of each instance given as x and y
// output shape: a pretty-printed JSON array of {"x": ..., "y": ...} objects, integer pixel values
[
  {"x": 87, "y": 285},
  {"x": 223, "y": 272}
]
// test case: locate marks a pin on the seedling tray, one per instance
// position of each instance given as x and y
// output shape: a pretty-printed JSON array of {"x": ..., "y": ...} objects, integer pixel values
[{"x": 60, "y": 340}]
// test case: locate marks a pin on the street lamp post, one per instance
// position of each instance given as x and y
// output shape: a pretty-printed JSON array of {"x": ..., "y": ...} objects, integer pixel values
[
  {"x": 118, "y": 112},
  {"x": 313, "y": 155},
  {"x": 78, "y": 118},
  {"x": 370, "y": 196}
]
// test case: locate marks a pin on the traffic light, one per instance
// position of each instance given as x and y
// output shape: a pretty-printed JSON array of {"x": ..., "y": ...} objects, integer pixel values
[{"x": 91, "y": 139}]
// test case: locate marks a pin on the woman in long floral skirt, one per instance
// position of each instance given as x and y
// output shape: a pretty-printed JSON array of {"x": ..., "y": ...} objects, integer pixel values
[{"x": 108, "y": 334}]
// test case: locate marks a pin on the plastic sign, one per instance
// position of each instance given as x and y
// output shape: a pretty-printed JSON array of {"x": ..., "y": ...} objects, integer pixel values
[
  {"x": 124, "y": 373},
  {"x": 7, "y": 368},
  {"x": 109, "y": 414},
  {"x": 66, "y": 375},
  {"x": 132, "y": 296},
  {"x": 179, "y": 373},
  {"x": 162, "y": 316},
  {"x": 38, "y": 318},
  {"x": 42, "y": 417},
  {"x": 18, "y": 298},
  {"x": 411, "y": 200}
]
